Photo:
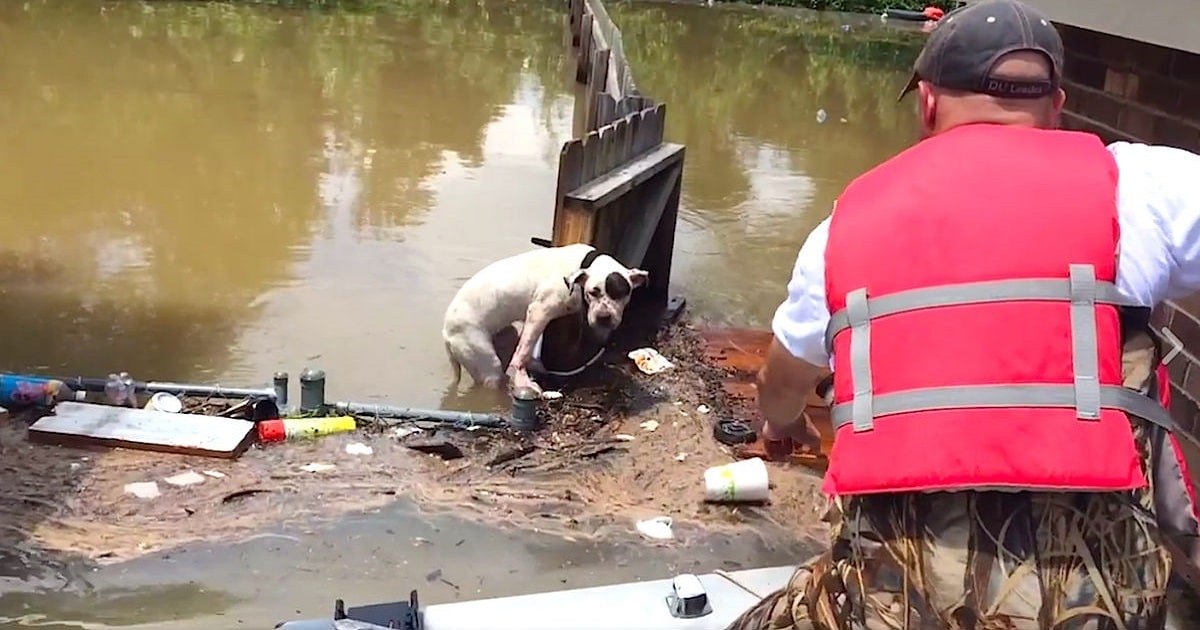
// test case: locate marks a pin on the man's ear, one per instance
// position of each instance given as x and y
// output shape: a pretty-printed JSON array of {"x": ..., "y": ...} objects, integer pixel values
[
  {"x": 638, "y": 277},
  {"x": 579, "y": 276}
]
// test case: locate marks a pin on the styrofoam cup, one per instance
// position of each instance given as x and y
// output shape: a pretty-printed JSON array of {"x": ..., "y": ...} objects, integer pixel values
[
  {"x": 163, "y": 401},
  {"x": 744, "y": 480}
]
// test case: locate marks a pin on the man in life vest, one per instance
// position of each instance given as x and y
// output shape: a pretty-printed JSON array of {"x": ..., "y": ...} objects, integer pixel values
[{"x": 1001, "y": 459}]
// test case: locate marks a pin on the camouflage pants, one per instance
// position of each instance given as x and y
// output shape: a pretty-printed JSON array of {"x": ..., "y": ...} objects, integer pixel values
[{"x": 982, "y": 561}]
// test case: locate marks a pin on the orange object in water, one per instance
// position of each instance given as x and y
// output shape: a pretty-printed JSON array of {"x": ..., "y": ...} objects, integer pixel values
[
  {"x": 934, "y": 13},
  {"x": 741, "y": 352}
]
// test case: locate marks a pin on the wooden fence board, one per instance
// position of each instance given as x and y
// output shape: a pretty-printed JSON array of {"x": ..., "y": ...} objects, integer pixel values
[{"x": 618, "y": 184}]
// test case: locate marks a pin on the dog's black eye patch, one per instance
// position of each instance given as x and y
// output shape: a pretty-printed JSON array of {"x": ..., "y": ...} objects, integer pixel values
[{"x": 617, "y": 287}]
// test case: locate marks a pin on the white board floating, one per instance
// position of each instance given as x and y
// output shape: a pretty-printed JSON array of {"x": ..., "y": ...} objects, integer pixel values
[{"x": 86, "y": 424}]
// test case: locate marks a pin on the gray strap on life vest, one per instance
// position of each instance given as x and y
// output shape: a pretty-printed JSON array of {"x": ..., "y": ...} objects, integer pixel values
[
  {"x": 1085, "y": 348},
  {"x": 860, "y": 359},
  {"x": 972, "y": 293},
  {"x": 1011, "y": 396},
  {"x": 1086, "y": 395}
]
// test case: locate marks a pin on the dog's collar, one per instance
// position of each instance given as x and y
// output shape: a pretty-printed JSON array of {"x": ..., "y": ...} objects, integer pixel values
[
  {"x": 590, "y": 258},
  {"x": 587, "y": 262}
]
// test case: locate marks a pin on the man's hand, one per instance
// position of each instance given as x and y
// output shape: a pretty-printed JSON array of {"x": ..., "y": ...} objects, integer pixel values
[{"x": 783, "y": 384}]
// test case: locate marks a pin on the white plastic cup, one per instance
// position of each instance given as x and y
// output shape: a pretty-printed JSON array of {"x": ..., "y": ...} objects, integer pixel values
[
  {"x": 166, "y": 402},
  {"x": 744, "y": 480}
]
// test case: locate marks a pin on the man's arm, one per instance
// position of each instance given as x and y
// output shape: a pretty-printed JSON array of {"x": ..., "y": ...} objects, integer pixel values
[
  {"x": 796, "y": 360},
  {"x": 1158, "y": 206}
]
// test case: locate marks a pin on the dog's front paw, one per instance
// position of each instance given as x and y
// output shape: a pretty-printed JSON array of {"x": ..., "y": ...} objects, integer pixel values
[{"x": 522, "y": 379}]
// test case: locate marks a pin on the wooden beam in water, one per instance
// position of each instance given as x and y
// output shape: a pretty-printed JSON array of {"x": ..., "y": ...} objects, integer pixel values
[
  {"x": 608, "y": 187},
  {"x": 84, "y": 424}
]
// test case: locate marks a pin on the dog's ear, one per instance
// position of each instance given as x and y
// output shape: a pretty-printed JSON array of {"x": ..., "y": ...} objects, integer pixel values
[
  {"x": 638, "y": 277},
  {"x": 579, "y": 276}
]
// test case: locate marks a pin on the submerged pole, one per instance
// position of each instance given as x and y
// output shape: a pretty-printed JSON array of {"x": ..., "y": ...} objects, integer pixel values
[
  {"x": 188, "y": 389},
  {"x": 467, "y": 418}
]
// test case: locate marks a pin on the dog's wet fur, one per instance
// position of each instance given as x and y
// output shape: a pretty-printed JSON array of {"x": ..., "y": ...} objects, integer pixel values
[{"x": 526, "y": 292}]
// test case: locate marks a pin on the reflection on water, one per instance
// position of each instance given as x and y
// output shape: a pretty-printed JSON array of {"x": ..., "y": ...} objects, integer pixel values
[
  {"x": 206, "y": 191},
  {"x": 744, "y": 88}
]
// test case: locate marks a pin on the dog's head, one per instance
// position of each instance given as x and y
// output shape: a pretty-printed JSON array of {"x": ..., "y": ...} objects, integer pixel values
[{"x": 607, "y": 286}]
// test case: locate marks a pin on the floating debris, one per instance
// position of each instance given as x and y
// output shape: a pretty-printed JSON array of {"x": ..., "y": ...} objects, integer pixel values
[
  {"x": 317, "y": 467},
  {"x": 185, "y": 479},
  {"x": 649, "y": 425},
  {"x": 551, "y": 395},
  {"x": 657, "y": 528},
  {"x": 821, "y": 116},
  {"x": 703, "y": 409},
  {"x": 215, "y": 474},
  {"x": 358, "y": 448},
  {"x": 649, "y": 361},
  {"x": 402, "y": 432},
  {"x": 624, "y": 437},
  {"x": 143, "y": 489},
  {"x": 441, "y": 448}
]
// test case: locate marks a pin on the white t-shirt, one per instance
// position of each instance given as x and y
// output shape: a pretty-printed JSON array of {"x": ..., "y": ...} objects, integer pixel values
[{"x": 1158, "y": 209}]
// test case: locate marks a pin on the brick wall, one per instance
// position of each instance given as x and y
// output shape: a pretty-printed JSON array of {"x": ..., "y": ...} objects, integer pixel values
[{"x": 1127, "y": 90}]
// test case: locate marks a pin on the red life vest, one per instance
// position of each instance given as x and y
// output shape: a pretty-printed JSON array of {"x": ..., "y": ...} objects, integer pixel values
[{"x": 975, "y": 333}]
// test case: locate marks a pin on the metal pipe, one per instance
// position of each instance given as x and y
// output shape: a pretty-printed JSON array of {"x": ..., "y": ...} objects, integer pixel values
[
  {"x": 465, "y": 418},
  {"x": 96, "y": 385},
  {"x": 208, "y": 390},
  {"x": 280, "y": 380},
  {"x": 312, "y": 390}
]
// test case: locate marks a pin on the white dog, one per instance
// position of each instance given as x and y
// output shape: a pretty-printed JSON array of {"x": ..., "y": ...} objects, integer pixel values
[{"x": 526, "y": 292}]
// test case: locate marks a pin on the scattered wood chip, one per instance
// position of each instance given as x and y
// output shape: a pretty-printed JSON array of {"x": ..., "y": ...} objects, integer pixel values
[
  {"x": 511, "y": 454},
  {"x": 441, "y": 448},
  {"x": 242, "y": 494}
]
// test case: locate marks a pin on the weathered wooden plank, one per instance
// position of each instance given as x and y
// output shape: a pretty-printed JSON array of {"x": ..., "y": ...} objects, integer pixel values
[
  {"x": 583, "y": 65},
  {"x": 606, "y": 160},
  {"x": 606, "y": 188},
  {"x": 642, "y": 227},
  {"x": 659, "y": 255},
  {"x": 84, "y": 424},
  {"x": 570, "y": 174},
  {"x": 606, "y": 109},
  {"x": 595, "y": 85},
  {"x": 591, "y": 153},
  {"x": 574, "y": 17}
]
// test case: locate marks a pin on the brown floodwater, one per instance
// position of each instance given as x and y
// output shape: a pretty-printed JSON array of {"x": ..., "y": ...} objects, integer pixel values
[{"x": 213, "y": 192}]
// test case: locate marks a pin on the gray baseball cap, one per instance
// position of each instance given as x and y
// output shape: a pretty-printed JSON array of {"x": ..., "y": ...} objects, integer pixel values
[{"x": 964, "y": 47}]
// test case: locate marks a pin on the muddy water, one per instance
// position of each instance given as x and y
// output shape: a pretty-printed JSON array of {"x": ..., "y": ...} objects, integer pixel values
[{"x": 211, "y": 192}]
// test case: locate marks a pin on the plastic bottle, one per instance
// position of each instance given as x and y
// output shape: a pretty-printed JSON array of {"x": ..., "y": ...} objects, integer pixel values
[{"x": 120, "y": 390}]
